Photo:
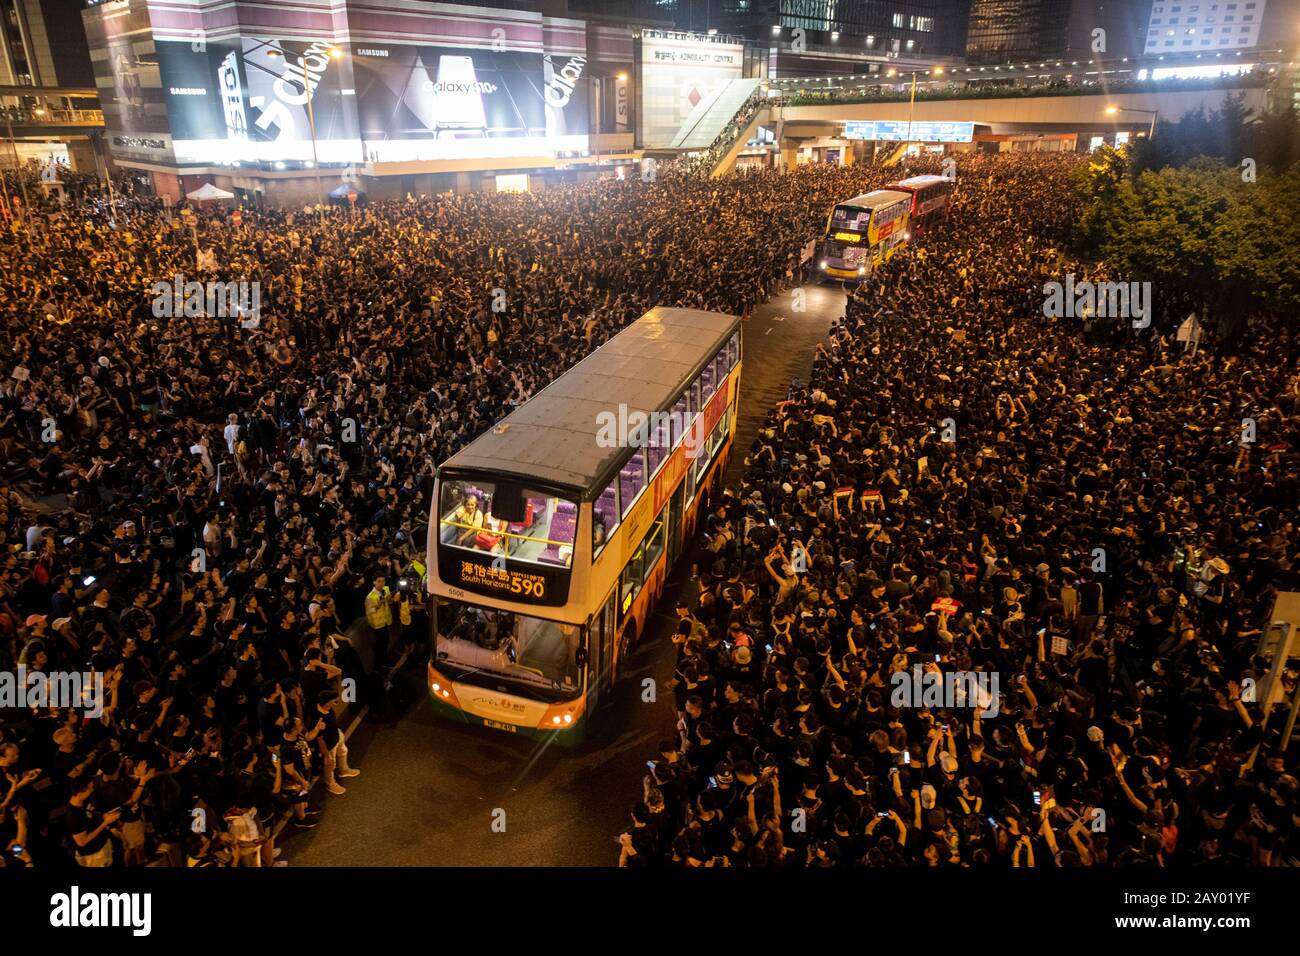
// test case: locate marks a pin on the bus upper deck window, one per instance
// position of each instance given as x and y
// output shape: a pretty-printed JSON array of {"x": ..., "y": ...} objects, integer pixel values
[
  {"x": 604, "y": 511},
  {"x": 660, "y": 442},
  {"x": 631, "y": 479},
  {"x": 706, "y": 385},
  {"x": 680, "y": 419}
]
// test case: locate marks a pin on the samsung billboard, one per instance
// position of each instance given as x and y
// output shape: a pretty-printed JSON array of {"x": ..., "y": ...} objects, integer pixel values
[
  {"x": 251, "y": 99},
  {"x": 435, "y": 102},
  {"x": 257, "y": 100}
]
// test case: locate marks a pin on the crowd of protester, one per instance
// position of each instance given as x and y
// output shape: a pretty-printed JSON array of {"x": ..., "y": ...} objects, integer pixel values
[
  {"x": 1084, "y": 522},
  {"x": 198, "y": 510},
  {"x": 214, "y": 515}
]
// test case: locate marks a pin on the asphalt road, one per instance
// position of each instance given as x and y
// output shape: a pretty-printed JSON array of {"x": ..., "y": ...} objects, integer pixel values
[{"x": 436, "y": 793}]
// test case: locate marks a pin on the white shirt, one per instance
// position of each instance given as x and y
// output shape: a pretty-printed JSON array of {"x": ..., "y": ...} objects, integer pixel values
[{"x": 34, "y": 535}]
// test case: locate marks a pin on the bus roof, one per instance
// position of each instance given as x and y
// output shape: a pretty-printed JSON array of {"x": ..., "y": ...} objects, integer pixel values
[
  {"x": 920, "y": 182},
  {"x": 551, "y": 438},
  {"x": 876, "y": 198}
]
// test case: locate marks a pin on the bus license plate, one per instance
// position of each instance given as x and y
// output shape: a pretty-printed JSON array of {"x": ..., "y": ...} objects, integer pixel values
[{"x": 500, "y": 726}]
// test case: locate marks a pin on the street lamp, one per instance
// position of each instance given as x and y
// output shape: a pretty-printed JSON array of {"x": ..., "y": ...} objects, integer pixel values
[
  {"x": 937, "y": 71},
  {"x": 1113, "y": 110},
  {"x": 334, "y": 53}
]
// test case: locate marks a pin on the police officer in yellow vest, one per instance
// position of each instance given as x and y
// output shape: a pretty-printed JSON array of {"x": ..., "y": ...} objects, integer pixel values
[{"x": 379, "y": 615}]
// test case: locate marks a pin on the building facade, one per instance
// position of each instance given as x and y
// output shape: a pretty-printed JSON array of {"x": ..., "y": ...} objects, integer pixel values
[
  {"x": 42, "y": 44},
  {"x": 1179, "y": 26}
]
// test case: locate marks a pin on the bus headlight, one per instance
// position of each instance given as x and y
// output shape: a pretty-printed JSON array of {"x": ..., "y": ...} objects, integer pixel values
[
  {"x": 907, "y": 235},
  {"x": 562, "y": 716},
  {"x": 862, "y": 270},
  {"x": 440, "y": 687},
  {"x": 822, "y": 264}
]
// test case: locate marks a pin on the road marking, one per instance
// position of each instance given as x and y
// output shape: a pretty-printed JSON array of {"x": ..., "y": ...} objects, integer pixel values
[{"x": 769, "y": 331}]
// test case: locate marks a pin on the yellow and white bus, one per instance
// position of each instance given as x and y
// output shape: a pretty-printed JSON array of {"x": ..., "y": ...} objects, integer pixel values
[
  {"x": 863, "y": 232},
  {"x": 551, "y": 535}
]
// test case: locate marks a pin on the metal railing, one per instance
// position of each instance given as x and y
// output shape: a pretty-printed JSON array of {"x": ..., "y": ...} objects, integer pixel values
[{"x": 40, "y": 116}]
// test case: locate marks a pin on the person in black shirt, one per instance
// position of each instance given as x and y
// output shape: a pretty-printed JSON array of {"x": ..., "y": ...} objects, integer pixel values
[
  {"x": 88, "y": 827},
  {"x": 333, "y": 749}
]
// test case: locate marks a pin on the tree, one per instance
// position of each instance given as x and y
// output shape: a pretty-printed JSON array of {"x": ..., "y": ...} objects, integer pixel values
[{"x": 1279, "y": 137}]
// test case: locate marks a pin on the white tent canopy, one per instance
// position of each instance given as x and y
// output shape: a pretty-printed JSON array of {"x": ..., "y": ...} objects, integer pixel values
[{"x": 208, "y": 191}]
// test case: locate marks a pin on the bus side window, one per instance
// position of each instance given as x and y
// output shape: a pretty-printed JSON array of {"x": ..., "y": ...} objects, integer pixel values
[
  {"x": 631, "y": 479},
  {"x": 632, "y": 577},
  {"x": 680, "y": 419},
  {"x": 657, "y": 450},
  {"x": 605, "y": 517},
  {"x": 706, "y": 384},
  {"x": 654, "y": 543}
]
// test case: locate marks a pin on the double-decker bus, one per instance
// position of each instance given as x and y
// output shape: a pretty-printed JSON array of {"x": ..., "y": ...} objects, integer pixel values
[
  {"x": 551, "y": 535},
  {"x": 863, "y": 233},
  {"x": 929, "y": 201}
]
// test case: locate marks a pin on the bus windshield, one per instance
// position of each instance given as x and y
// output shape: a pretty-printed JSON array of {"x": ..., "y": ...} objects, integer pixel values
[
  {"x": 537, "y": 526},
  {"x": 480, "y": 645},
  {"x": 850, "y": 219}
]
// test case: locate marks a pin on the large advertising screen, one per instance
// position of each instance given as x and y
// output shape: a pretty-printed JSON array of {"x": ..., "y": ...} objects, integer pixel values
[
  {"x": 250, "y": 99},
  {"x": 677, "y": 74},
  {"x": 256, "y": 100},
  {"x": 436, "y": 102}
]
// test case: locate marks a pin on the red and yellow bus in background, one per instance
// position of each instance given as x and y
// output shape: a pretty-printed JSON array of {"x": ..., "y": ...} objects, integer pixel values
[
  {"x": 551, "y": 535},
  {"x": 929, "y": 201},
  {"x": 863, "y": 233}
]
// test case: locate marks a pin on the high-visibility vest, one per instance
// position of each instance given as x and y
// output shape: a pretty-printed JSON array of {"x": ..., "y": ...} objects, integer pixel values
[{"x": 378, "y": 611}]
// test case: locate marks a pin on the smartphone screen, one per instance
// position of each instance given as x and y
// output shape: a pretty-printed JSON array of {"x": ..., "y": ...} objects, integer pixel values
[
  {"x": 1038, "y": 798},
  {"x": 907, "y": 757}
]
